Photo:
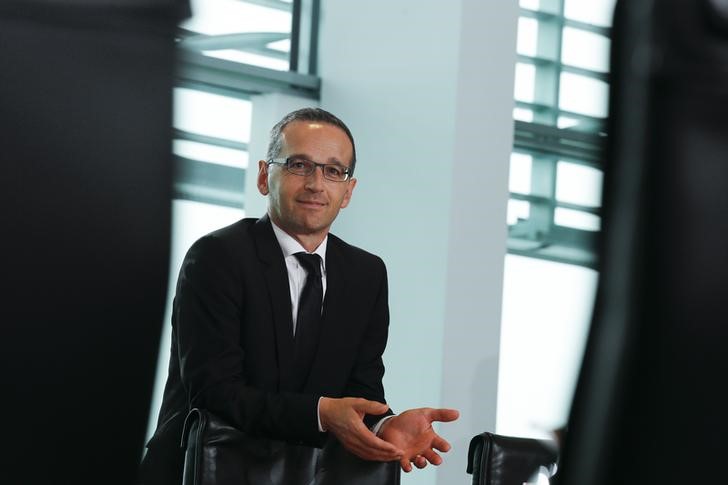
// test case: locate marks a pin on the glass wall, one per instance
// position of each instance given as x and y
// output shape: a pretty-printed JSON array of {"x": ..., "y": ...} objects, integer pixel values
[{"x": 554, "y": 211}]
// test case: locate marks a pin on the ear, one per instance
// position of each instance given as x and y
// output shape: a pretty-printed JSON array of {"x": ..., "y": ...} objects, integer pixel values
[
  {"x": 263, "y": 177},
  {"x": 347, "y": 195}
]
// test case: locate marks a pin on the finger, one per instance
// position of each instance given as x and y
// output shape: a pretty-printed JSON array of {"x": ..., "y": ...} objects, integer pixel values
[
  {"x": 367, "y": 453},
  {"x": 372, "y": 446},
  {"x": 406, "y": 465},
  {"x": 432, "y": 457},
  {"x": 444, "y": 415},
  {"x": 420, "y": 461},
  {"x": 439, "y": 443}
]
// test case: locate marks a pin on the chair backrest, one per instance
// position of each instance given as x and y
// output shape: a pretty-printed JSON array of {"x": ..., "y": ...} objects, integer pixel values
[
  {"x": 507, "y": 460},
  {"x": 217, "y": 453}
]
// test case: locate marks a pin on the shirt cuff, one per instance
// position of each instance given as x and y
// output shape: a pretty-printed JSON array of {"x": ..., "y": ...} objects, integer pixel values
[
  {"x": 378, "y": 426},
  {"x": 318, "y": 415}
]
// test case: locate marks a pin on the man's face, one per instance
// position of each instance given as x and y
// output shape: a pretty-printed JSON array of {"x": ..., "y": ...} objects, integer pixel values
[{"x": 305, "y": 206}]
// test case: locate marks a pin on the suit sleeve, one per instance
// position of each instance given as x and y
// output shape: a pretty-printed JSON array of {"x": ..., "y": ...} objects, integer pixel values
[
  {"x": 207, "y": 318},
  {"x": 368, "y": 371}
]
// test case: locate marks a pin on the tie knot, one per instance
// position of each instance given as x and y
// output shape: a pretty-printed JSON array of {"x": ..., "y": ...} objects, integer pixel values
[{"x": 312, "y": 262}]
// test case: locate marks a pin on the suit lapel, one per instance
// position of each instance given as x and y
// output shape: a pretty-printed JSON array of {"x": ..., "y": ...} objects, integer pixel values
[{"x": 276, "y": 280}]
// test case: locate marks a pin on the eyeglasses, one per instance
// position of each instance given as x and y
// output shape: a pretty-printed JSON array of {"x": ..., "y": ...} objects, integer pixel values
[{"x": 304, "y": 167}]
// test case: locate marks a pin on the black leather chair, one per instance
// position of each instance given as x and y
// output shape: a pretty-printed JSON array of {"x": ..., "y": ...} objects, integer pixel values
[
  {"x": 216, "y": 453},
  {"x": 506, "y": 460}
]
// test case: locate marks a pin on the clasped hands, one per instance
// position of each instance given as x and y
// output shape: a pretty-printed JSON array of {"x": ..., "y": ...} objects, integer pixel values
[{"x": 407, "y": 437}]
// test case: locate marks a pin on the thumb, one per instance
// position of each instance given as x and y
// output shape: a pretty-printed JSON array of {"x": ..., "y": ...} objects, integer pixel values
[{"x": 444, "y": 415}]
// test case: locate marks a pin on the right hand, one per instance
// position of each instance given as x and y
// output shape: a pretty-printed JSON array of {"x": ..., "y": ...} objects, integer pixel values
[{"x": 344, "y": 418}]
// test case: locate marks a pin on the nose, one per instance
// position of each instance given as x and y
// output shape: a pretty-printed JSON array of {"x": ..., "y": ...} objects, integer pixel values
[{"x": 315, "y": 180}]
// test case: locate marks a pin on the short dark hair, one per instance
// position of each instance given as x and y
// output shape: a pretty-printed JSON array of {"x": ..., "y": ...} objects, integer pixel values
[{"x": 307, "y": 114}]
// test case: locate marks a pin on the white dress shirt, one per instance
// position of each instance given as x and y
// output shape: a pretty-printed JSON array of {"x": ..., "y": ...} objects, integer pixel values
[{"x": 297, "y": 273}]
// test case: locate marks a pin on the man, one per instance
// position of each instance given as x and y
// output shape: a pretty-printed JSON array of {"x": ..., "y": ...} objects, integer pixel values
[{"x": 242, "y": 350}]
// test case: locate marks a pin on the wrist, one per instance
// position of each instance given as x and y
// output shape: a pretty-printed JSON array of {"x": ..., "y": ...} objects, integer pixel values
[{"x": 324, "y": 406}]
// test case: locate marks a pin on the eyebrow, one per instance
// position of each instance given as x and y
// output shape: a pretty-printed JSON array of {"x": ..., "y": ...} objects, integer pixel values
[{"x": 333, "y": 161}]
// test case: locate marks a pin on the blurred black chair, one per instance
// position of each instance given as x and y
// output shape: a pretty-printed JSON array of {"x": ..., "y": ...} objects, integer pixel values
[
  {"x": 85, "y": 191},
  {"x": 216, "y": 453},
  {"x": 506, "y": 460}
]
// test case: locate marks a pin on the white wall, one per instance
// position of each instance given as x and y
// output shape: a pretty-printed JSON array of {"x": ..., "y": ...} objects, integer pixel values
[{"x": 427, "y": 89}]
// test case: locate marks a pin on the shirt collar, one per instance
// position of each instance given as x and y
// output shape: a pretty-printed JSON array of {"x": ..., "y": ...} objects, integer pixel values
[{"x": 290, "y": 246}]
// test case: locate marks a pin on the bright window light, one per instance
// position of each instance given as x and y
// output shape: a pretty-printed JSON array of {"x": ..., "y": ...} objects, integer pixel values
[
  {"x": 577, "y": 219},
  {"x": 519, "y": 178},
  {"x": 547, "y": 310},
  {"x": 204, "y": 152},
  {"x": 212, "y": 114},
  {"x": 578, "y": 184},
  {"x": 525, "y": 82},
  {"x": 518, "y": 210},
  {"x": 595, "y": 12},
  {"x": 584, "y": 49},
  {"x": 527, "y": 43},
  {"x": 219, "y": 17},
  {"x": 583, "y": 95}
]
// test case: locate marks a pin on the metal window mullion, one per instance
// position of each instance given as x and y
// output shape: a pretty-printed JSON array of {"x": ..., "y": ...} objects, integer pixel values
[
  {"x": 209, "y": 140},
  {"x": 209, "y": 74},
  {"x": 547, "y": 74},
  {"x": 210, "y": 183},
  {"x": 559, "y": 44},
  {"x": 541, "y": 62},
  {"x": 543, "y": 186},
  {"x": 534, "y": 199},
  {"x": 543, "y": 139},
  {"x": 295, "y": 36},
  {"x": 576, "y": 24},
  {"x": 313, "y": 23}
]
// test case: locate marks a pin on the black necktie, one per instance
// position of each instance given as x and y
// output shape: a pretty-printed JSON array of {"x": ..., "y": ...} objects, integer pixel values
[{"x": 309, "y": 307}]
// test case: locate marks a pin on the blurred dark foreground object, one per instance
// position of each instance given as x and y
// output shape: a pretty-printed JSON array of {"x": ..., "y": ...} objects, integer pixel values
[
  {"x": 495, "y": 459},
  {"x": 650, "y": 405},
  {"x": 219, "y": 454},
  {"x": 85, "y": 117}
]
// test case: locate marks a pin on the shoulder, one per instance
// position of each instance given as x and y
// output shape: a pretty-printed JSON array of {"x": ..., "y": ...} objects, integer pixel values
[
  {"x": 353, "y": 256},
  {"x": 233, "y": 235},
  {"x": 223, "y": 243}
]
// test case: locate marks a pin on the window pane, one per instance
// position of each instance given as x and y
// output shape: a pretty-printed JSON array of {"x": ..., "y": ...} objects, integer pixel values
[
  {"x": 210, "y": 153},
  {"x": 519, "y": 179},
  {"x": 584, "y": 95},
  {"x": 527, "y": 36},
  {"x": 548, "y": 6},
  {"x": 585, "y": 49},
  {"x": 547, "y": 309},
  {"x": 212, "y": 114},
  {"x": 525, "y": 82},
  {"x": 523, "y": 114},
  {"x": 578, "y": 184},
  {"x": 595, "y": 12},
  {"x": 530, "y": 4},
  {"x": 241, "y": 31},
  {"x": 577, "y": 219},
  {"x": 518, "y": 210}
]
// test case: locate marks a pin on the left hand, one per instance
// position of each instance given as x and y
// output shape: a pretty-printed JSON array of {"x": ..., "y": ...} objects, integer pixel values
[{"x": 412, "y": 432}]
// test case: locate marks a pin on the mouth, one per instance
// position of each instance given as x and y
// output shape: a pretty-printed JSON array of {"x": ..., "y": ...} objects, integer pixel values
[{"x": 312, "y": 204}]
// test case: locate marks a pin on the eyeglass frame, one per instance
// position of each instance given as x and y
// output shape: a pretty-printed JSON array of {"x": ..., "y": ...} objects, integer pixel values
[{"x": 285, "y": 163}]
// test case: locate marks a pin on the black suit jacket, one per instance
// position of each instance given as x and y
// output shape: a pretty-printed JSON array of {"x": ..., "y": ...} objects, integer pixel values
[{"x": 232, "y": 341}]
